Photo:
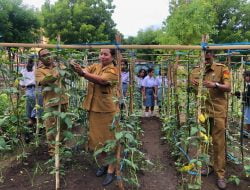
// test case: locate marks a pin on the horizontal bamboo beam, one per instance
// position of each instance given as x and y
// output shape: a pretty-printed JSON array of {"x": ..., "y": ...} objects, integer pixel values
[{"x": 173, "y": 47}]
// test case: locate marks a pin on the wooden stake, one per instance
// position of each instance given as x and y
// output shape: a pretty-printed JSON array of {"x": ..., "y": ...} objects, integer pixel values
[
  {"x": 58, "y": 129},
  {"x": 176, "y": 96},
  {"x": 118, "y": 153},
  {"x": 131, "y": 86},
  {"x": 57, "y": 143}
]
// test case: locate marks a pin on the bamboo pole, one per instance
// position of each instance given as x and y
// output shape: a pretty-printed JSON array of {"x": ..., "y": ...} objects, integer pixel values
[
  {"x": 176, "y": 96},
  {"x": 199, "y": 98},
  {"x": 131, "y": 86},
  {"x": 118, "y": 151},
  {"x": 57, "y": 140},
  {"x": 89, "y": 46},
  {"x": 57, "y": 144}
]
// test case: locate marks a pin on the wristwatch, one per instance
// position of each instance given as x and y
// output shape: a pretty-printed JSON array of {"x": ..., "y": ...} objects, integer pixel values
[{"x": 217, "y": 85}]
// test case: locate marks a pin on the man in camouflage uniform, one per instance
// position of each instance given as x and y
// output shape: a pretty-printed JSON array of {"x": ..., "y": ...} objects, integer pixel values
[
  {"x": 47, "y": 75},
  {"x": 217, "y": 82}
]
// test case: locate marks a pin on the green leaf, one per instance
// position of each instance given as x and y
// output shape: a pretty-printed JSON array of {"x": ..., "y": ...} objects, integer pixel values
[
  {"x": 68, "y": 122},
  {"x": 118, "y": 135},
  {"x": 68, "y": 135},
  {"x": 193, "y": 131}
]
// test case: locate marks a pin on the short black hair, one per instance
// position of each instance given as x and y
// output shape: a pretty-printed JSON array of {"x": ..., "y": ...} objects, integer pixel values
[
  {"x": 39, "y": 52},
  {"x": 112, "y": 52},
  {"x": 210, "y": 51},
  {"x": 150, "y": 70},
  {"x": 246, "y": 73}
]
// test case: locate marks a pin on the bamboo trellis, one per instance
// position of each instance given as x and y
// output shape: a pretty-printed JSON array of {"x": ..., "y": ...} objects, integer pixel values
[{"x": 90, "y": 46}]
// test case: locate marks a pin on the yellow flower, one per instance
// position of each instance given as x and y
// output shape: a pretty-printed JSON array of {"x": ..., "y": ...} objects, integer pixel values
[
  {"x": 204, "y": 136},
  {"x": 187, "y": 168},
  {"x": 16, "y": 83},
  {"x": 202, "y": 118}
]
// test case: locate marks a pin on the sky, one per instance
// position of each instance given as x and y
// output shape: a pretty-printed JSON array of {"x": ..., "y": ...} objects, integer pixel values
[{"x": 131, "y": 15}]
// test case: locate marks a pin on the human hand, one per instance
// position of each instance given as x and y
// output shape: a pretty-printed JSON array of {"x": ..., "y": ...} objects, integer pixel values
[
  {"x": 194, "y": 82},
  {"x": 155, "y": 96},
  {"x": 209, "y": 84},
  {"x": 78, "y": 68}
]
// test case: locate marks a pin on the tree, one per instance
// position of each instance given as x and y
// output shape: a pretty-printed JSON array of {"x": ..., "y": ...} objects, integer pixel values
[
  {"x": 187, "y": 23},
  {"x": 224, "y": 21},
  {"x": 148, "y": 36},
  {"x": 18, "y": 23},
  {"x": 233, "y": 21},
  {"x": 79, "y": 21}
]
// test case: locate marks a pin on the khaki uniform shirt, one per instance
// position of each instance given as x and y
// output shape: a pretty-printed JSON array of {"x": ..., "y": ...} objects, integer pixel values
[
  {"x": 41, "y": 73},
  {"x": 216, "y": 100},
  {"x": 102, "y": 98}
]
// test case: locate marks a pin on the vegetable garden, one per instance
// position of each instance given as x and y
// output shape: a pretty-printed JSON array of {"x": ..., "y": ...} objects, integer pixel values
[{"x": 146, "y": 143}]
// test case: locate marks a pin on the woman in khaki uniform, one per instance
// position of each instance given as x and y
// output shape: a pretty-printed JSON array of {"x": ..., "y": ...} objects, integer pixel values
[{"x": 101, "y": 102}]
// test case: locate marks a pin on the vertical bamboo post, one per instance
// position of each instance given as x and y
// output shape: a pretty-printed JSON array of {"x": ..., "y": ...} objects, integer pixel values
[
  {"x": 37, "y": 106},
  {"x": 170, "y": 82},
  {"x": 199, "y": 96},
  {"x": 118, "y": 151},
  {"x": 131, "y": 86},
  {"x": 176, "y": 97},
  {"x": 57, "y": 140},
  {"x": 162, "y": 71}
]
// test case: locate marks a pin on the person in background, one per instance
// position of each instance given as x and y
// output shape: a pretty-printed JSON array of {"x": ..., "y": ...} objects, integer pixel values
[
  {"x": 102, "y": 106},
  {"x": 217, "y": 84},
  {"x": 149, "y": 92},
  {"x": 124, "y": 77},
  {"x": 162, "y": 82},
  {"x": 47, "y": 75},
  {"x": 29, "y": 84},
  {"x": 138, "y": 79},
  {"x": 246, "y": 100}
]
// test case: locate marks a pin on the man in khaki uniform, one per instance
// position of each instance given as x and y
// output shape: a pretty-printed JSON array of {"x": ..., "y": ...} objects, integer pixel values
[
  {"x": 47, "y": 75},
  {"x": 102, "y": 103},
  {"x": 217, "y": 82}
]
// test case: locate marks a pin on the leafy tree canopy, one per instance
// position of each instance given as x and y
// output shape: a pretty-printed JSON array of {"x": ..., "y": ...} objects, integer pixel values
[
  {"x": 188, "y": 22},
  {"x": 224, "y": 20},
  {"x": 18, "y": 23},
  {"x": 233, "y": 21},
  {"x": 148, "y": 36},
  {"x": 79, "y": 20}
]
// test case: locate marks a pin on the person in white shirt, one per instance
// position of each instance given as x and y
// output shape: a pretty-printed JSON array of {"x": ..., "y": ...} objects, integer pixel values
[
  {"x": 138, "y": 79},
  {"x": 149, "y": 92},
  {"x": 28, "y": 83},
  {"x": 162, "y": 84},
  {"x": 124, "y": 77}
]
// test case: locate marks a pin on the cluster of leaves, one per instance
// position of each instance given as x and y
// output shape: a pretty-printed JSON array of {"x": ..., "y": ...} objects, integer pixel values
[
  {"x": 18, "y": 23},
  {"x": 85, "y": 20},
  {"x": 223, "y": 20},
  {"x": 11, "y": 106}
]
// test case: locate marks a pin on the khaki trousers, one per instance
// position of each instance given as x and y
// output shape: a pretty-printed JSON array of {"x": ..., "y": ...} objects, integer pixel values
[{"x": 217, "y": 151}]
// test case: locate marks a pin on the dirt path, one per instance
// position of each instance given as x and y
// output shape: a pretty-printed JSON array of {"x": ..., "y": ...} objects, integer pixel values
[{"x": 162, "y": 176}]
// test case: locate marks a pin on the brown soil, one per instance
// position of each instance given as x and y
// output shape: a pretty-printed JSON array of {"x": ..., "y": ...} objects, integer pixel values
[
  {"x": 32, "y": 173},
  {"x": 162, "y": 175}
]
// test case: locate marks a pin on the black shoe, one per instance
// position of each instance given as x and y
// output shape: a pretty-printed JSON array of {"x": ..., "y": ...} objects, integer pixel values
[
  {"x": 108, "y": 179},
  {"x": 101, "y": 171},
  {"x": 27, "y": 137}
]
